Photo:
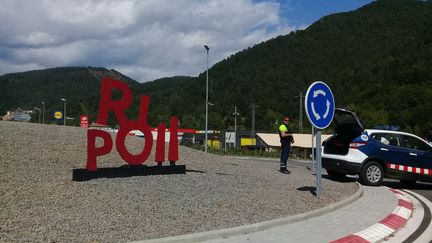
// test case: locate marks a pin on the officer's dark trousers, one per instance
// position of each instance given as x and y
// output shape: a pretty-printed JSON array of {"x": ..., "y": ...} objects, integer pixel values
[{"x": 285, "y": 148}]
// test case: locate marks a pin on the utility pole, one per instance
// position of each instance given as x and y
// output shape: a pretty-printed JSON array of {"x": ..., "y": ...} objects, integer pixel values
[
  {"x": 253, "y": 106},
  {"x": 301, "y": 113},
  {"x": 235, "y": 126},
  {"x": 43, "y": 112}
]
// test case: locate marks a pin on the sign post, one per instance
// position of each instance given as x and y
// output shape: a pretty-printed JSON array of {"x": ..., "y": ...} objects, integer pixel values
[
  {"x": 320, "y": 108},
  {"x": 313, "y": 150}
]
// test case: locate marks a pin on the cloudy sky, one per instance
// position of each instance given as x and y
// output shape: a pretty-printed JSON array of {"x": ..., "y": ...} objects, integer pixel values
[{"x": 146, "y": 39}]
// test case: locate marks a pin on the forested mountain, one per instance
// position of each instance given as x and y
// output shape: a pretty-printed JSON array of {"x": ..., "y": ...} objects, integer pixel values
[
  {"x": 377, "y": 61},
  {"x": 80, "y": 86}
]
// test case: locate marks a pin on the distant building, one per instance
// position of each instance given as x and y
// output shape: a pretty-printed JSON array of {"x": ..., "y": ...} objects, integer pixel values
[
  {"x": 8, "y": 116},
  {"x": 17, "y": 115},
  {"x": 301, "y": 148}
]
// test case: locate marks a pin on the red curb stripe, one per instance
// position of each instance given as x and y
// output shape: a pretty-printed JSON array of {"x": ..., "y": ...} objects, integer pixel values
[
  {"x": 405, "y": 204},
  {"x": 393, "y": 221},
  {"x": 350, "y": 239},
  {"x": 406, "y": 168},
  {"x": 395, "y": 191}
]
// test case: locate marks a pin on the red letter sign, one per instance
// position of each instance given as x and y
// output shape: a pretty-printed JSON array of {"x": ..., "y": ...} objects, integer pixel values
[
  {"x": 118, "y": 107},
  {"x": 92, "y": 151}
]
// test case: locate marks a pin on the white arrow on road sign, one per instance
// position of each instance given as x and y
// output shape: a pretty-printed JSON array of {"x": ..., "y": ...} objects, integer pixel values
[
  {"x": 327, "y": 109},
  {"x": 317, "y": 116},
  {"x": 317, "y": 92}
]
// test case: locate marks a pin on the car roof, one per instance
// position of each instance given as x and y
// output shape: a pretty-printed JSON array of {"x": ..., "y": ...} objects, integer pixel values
[{"x": 389, "y": 131}]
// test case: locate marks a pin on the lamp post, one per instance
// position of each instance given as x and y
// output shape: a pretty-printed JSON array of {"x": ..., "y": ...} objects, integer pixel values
[
  {"x": 39, "y": 111},
  {"x": 206, "y": 115},
  {"x": 235, "y": 126},
  {"x": 43, "y": 112},
  {"x": 64, "y": 111}
]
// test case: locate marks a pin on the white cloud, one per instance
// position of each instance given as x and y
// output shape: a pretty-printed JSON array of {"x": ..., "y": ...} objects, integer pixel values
[{"x": 142, "y": 39}]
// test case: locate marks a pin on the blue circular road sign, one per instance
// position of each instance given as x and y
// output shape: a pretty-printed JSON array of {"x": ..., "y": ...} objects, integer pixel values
[{"x": 319, "y": 105}]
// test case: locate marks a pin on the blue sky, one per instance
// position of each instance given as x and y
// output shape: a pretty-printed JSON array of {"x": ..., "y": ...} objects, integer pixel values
[
  {"x": 149, "y": 39},
  {"x": 300, "y": 12}
]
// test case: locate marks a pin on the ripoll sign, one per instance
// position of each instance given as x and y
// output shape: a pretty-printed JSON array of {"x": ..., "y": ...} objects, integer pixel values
[
  {"x": 319, "y": 105},
  {"x": 119, "y": 107}
]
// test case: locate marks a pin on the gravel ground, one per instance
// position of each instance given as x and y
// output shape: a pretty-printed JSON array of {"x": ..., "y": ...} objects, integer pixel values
[{"x": 39, "y": 202}]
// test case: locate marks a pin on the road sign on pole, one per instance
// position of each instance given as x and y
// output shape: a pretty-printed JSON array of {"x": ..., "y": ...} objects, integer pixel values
[
  {"x": 319, "y": 105},
  {"x": 320, "y": 108}
]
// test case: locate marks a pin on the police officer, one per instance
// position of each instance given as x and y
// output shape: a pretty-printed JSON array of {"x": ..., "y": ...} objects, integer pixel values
[{"x": 286, "y": 138}]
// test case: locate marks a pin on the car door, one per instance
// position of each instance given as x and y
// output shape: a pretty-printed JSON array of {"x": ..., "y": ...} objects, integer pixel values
[
  {"x": 418, "y": 154},
  {"x": 390, "y": 149}
]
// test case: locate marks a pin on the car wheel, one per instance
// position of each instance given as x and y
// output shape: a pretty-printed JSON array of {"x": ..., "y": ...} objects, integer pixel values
[
  {"x": 372, "y": 174},
  {"x": 335, "y": 174},
  {"x": 408, "y": 182}
]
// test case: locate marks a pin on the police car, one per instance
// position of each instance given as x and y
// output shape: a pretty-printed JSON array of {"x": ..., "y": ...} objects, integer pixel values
[{"x": 373, "y": 154}]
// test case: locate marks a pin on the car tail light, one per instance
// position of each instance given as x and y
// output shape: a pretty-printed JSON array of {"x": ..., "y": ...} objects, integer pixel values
[{"x": 357, "y": 145}]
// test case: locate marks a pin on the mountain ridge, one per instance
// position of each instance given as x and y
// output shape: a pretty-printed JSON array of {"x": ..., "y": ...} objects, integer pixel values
[{"x": 375, "y": 59}]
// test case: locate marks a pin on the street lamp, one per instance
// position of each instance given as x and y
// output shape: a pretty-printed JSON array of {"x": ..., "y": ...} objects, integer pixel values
[
  {"x": 43, "y": 112},
  {"x": 206, "y": 118},
  {"x": 64, "y": 111},
  {"x": 35, "y": 108},
  {"x": 235, "y": 126}
]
